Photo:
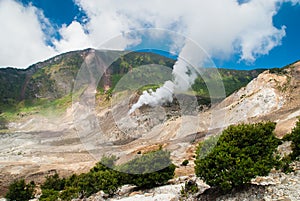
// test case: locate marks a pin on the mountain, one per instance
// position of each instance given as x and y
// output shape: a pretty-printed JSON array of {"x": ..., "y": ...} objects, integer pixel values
[
  {"x": 54, "y": 77},
  {"x": 52, "y": 80},
  {"x": 272, "y": 96},
  {"x": 34, "y": 143}
]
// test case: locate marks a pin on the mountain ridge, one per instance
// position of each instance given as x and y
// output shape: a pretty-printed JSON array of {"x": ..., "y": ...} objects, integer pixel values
[
  {"x": 47, "y": 86},
  {"x": 33, "y": 144}
]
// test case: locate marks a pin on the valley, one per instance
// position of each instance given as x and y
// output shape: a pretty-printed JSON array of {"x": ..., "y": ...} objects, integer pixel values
[{"x": 45, "y": 130}]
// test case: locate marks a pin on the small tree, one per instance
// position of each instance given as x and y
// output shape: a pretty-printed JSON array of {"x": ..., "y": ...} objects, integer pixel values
[
  {"x": 20, "y": 191},
  {"x": 241, "y": 153}
]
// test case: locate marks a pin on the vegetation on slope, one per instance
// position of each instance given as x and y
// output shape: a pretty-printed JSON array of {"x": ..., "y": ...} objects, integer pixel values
[
  {"x": 227, "y": 161},
  {"x": 20, "y": 191},
  {"x": 241, "y": 153},
  {"x": 232, "y": 80},
  {"x": 105, "y": 176},
  {"x": 47, "y": 86},
  {"x": 294, "y": 137}
]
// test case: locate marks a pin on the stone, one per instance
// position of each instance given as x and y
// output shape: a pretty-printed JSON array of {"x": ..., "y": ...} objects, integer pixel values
[
  {"x": 135, "y": 193},
  {"x": 125, "y": 190},
  {"x": 284, "y": 199}
]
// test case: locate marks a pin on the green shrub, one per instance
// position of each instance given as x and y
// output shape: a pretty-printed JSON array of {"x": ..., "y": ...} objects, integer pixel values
[
  {"x": 206, "y": 146},
  {"x": 185, "y": 162},
  {"x": 150, "y": 180},
  {"x": 103, "y": 177},
  {"x": 106, "y": 163},
  {"x": 241, "y": 153},
  {"x": 108, "y": 181},
  {"x": 284, "y": 164},
  {"x": 69, "y": 193},
  {"x": 150, "y": 169},
  {"x": 53, "y": 182},
  {"x": 294, "y": 136},
  {"x": 190, "y": 187},
  {"x": 20, "y": 191},
  {"x": 85, "y": 183},
  {"x": 147, "y": 163},
  {"x": 49, "y": 195}
]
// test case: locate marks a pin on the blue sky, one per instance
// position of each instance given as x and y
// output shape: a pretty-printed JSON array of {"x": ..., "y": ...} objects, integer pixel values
[
  {"x": 286, "y": 53},
  {"x": 58, "y": 11},
  {"x": 235, "y": 34}
]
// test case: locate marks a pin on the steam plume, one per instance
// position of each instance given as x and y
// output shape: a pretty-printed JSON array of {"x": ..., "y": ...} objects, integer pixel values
[{"x": 183, "y": 78}]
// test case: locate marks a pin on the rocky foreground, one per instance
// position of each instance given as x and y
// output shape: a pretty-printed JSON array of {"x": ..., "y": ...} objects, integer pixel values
[
  {"x": 31, "y": 151},
  {"x": 275, "y": 187}
]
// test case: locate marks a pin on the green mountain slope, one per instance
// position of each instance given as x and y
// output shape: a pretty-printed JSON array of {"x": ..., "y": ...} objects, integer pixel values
[{"x": 49, "y": 84}]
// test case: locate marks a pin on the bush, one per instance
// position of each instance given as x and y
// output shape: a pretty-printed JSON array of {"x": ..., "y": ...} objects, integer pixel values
[
  {"x": 294, "y": 136},
  {"x": 241, "y": 153},
  {"x": 284, "y": 164},
  {"x": 189, "y": 188},
  {"x": 49, "y": 195},
  {"x": 51, "y": 187},
  {"x": 150, "y": 169},
  {"x": 103, "y": 177},
  {"x": 147, "y": 163},
  {"x": 185, "y": 162},
  {"x": 150, "y": 180},
  {"x": 70, "y": 193},
  {"x": 53, "y": 182},
  {"x": 206, "y": 146},
  {"x": 20, "y": 191},
  {"x": 106, "y": 163},
  {"x": 108, "y": 181}
]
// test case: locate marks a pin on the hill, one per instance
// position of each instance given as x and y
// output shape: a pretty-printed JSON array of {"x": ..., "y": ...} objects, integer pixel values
[
  {"x": 48, "y": 85},
  {"x": 35, "y": 143}
]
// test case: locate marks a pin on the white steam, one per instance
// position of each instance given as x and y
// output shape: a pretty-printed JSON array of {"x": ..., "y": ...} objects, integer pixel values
[
  {"x": 184, "y": 75},
  {"x": 161, "y": 95}
]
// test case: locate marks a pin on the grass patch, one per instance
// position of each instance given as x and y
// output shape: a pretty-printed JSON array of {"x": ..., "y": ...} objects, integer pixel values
[{"x": 44, "y": 107}]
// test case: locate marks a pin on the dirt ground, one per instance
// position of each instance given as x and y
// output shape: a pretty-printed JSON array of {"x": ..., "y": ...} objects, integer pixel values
[{"x": 37, "y": 146}]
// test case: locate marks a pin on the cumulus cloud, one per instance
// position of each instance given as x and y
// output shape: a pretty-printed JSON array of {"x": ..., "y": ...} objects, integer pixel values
[
  {"x": 221, "y": 27},
  {"x": 73, "y": 38},
  {"x": 22, "y": 39}
]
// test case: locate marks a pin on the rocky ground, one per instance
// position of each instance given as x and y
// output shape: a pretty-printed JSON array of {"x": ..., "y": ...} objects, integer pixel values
[
  {"x": 36, "y": 145},
  {"x": 276, "y": 186}
]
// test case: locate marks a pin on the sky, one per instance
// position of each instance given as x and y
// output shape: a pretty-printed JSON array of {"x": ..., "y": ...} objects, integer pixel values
[{"x": 239, "y": 34}]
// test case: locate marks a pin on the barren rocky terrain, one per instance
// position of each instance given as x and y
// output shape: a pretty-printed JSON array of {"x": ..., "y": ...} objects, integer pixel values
[{"x": 37, "y": 145}]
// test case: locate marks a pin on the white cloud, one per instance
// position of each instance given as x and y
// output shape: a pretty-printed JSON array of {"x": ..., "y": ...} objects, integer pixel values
[
  {"x": 73, "y": 37},
  {"x": 221, "y": 27},
  {"x": 22, "y": 41}
]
